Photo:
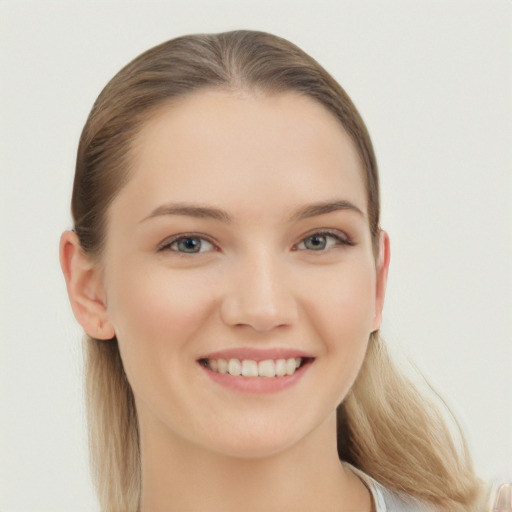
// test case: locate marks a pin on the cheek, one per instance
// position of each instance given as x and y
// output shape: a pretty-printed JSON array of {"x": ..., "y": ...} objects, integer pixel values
[
  {"x": 159, "y": 310},
  {"x": 156, "y": 316},
  {"x": 342, "y": 315},
  {"x": 345, "y": 304}
]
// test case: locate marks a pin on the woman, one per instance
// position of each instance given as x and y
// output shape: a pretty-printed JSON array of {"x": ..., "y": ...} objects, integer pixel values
[{"x": 229, "y": 270}]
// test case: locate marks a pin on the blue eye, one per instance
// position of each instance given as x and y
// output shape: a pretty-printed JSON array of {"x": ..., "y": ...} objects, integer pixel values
[
  {"x": 322, "y": 241},
  {"x": 188, "y": 245}
]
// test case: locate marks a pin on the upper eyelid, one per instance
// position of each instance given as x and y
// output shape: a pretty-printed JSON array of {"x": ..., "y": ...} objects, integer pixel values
[{"x": 336, "y": 233}]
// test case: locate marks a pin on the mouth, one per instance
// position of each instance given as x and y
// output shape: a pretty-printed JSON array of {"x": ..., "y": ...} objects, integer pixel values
[{"x": 250, "y": 368}]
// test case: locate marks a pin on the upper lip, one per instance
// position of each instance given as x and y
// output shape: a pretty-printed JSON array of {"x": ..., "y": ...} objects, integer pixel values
[{"x": 257, "y": 354}]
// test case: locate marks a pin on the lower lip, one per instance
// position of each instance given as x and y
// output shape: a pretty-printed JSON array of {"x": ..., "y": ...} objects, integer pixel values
[{"x": 259, "y": 385}]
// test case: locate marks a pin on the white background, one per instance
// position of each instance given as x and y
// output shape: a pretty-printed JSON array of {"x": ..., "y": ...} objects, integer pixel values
[{"x": 432, "y": 79}]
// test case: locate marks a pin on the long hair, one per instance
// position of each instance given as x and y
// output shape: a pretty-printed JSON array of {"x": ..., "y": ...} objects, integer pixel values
[{"x": 386, "y": 426}]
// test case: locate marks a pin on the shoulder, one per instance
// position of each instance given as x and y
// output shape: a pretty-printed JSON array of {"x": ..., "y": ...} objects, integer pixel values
[{"x": 388, "y": 500}]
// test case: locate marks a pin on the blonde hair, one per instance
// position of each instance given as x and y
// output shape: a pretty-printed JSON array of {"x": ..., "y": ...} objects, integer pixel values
[
  {"x": 386, "y": 427},
  {"x": 398, "y": 434}
]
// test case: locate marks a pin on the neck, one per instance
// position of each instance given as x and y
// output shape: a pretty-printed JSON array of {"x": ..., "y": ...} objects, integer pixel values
[{"x": 178, "y": 476}]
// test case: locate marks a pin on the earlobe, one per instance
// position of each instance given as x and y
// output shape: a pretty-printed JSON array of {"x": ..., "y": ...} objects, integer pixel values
[
  {"x": 382, "y": 278},
  {"x": 85, "y": 288}
]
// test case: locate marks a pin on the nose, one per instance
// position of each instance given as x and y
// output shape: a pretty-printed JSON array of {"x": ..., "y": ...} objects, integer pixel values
[{"x": 260, "y": 295}]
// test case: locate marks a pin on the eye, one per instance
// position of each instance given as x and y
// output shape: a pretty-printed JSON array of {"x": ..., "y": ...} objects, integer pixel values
[
  {"x": 322, "y": 241},
  {"x": 188, "y": 245}
]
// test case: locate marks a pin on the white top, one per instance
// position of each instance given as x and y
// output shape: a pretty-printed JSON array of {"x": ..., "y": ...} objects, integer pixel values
[{"x": 387, "y": 500}]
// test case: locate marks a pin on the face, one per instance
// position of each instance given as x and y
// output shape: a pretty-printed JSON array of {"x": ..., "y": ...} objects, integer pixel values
[{"x": 241, "y": 244}]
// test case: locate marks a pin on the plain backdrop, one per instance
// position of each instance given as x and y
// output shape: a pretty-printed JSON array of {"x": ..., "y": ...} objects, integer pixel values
[{"x": 433, "y": 81}]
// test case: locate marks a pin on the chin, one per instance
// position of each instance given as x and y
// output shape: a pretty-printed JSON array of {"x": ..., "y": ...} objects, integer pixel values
[
  {"x": 253, "y": 448},
  {"x": 257, "y": 438}
]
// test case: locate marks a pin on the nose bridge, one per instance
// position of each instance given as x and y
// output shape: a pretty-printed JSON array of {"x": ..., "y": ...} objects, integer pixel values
[{"x": 260, "y": 294}]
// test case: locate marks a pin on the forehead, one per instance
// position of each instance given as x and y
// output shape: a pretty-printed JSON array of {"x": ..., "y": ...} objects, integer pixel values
[{"x": 223, "y": 147}]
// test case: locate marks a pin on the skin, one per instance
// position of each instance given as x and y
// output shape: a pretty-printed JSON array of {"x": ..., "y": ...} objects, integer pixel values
[{"x": 256, "y": 283}]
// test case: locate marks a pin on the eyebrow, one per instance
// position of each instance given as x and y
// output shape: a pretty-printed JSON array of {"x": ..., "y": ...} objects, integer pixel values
[
  {"x": 203, "y": 212},
  {"x": 322, "y": 208},
  {"x": 190, "y": 210}
]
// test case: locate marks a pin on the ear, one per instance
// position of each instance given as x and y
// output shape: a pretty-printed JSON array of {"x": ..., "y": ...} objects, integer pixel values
[
  {"x": 85, "y": 288},
  {"x": 382, "y": 277}
]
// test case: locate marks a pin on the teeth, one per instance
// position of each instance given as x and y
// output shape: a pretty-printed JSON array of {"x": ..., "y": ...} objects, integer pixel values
[
  {"x": 222, "y": 365},
  {"x": 290, "y": 366},
  {"x": 234, "y": 367},
  {"x": 250, "y": 368},
  {"x": 267, "y": 368},
  {"x": 281, "y": 367}
]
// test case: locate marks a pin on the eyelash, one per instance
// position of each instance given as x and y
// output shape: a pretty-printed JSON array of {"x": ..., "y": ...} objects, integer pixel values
[{"x": 340, "y": 240}]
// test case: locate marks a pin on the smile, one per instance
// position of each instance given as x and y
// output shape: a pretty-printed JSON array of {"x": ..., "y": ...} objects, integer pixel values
[{"x": 250, "y": 368}]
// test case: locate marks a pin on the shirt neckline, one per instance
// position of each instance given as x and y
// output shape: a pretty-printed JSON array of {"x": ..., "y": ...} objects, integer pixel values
[{"x": 378, "y": 503}]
